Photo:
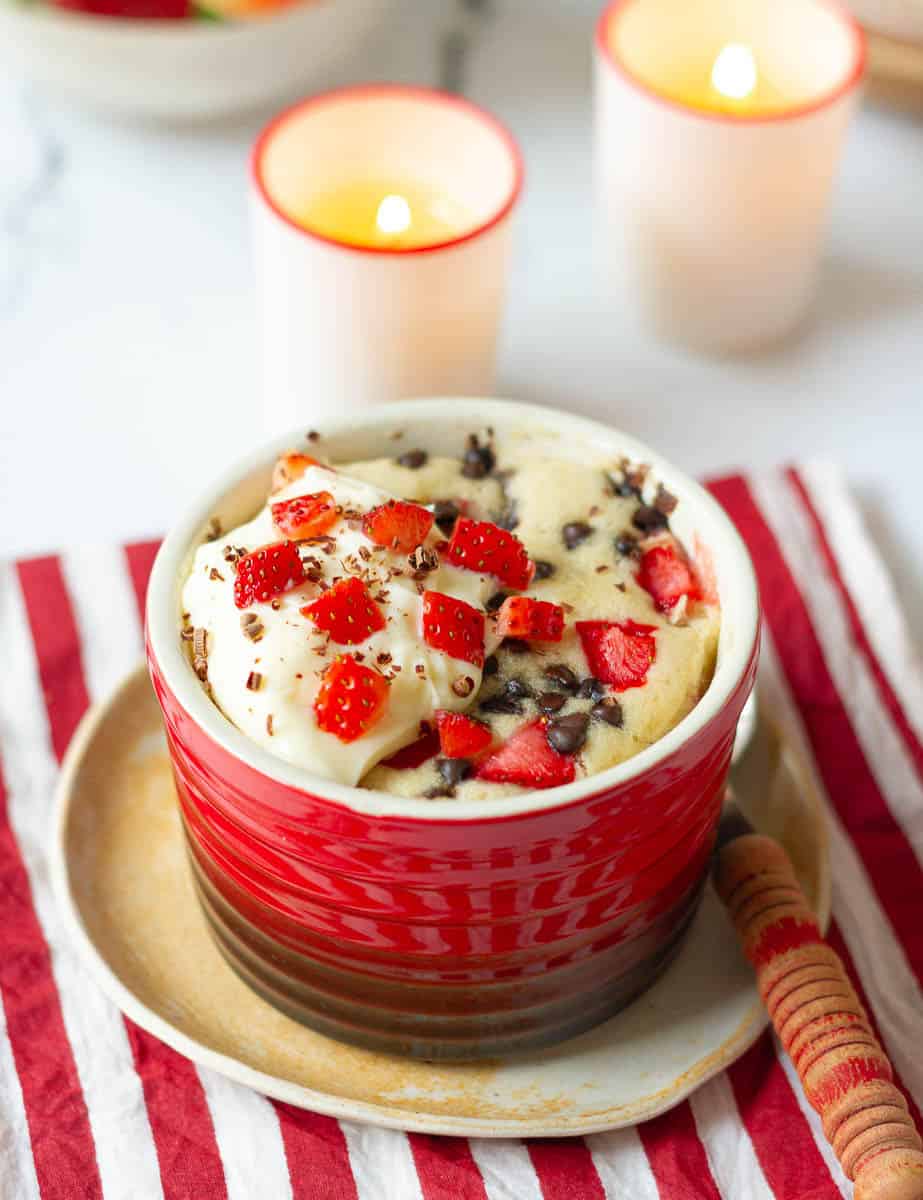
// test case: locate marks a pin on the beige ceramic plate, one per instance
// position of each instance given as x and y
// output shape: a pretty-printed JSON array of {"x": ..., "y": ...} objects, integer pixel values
[{"x": 123, "y": 883}]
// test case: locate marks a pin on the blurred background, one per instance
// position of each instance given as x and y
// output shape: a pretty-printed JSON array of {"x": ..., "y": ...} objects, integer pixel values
[{"x": 127, "y": 324}]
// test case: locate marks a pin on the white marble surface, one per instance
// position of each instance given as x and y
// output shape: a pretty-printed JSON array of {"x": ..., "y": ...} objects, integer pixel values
[{"x": 127, "y": 354}]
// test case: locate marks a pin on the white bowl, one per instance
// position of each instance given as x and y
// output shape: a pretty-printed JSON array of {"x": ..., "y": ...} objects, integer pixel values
[{"x": 183, "y": 70}]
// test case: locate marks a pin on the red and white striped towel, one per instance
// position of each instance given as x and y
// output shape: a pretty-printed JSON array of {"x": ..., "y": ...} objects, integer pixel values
[{"x": 92, "y": 1106}]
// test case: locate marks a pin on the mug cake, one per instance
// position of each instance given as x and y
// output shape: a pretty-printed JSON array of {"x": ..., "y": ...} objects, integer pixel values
[{"x": 450, "y": 693}]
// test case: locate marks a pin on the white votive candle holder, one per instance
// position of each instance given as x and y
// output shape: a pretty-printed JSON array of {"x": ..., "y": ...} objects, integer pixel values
[
  {"x": 381, "y": 221},
  {"x": 719, "y": 124}
]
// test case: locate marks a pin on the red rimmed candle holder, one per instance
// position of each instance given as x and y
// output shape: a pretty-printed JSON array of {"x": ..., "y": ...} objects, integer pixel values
[
  {"x": 715, "y": 239},
  {"x": 402, "y": 300}
]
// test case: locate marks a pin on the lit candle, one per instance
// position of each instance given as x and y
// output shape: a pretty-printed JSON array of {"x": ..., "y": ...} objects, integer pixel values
[
  {"x": 718, "y": 129},
  {"x": 401, "y": 215},
  {"x": 381, "y": 230}
]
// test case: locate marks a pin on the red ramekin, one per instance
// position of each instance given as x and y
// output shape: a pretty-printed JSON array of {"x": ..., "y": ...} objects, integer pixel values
[{"x": 446, "y": 928}]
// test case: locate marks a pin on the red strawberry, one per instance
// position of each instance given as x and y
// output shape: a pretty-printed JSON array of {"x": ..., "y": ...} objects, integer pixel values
[
  {"x": 453, "y": 627},
  {"x": 531, "y": 620},
  {"x": 350, "y": 700},
  {"x": 268, "y": 572},
  {"x": 620, "y": 653},
  {"x": 667, "y": 576},
  {"x": 289, "y": 467},
  {"x": 305, "y": 516},
  {"x": 459, "y": 736},
  {"x": 347, "y": 612},
  {"x": 528, "y": 760},
  {"x": 143, "y": 9},
  {"x": 484, "y": 547},
  {"x": 398, "y": 525},
  {"x": 414, "y": 755}
]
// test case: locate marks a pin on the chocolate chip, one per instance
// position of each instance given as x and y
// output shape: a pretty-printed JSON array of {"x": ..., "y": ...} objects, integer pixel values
[
  {"x": 516, "y": 645},
  {"x": 495, "y": 601},
  {"x": 491, "y": 665},
  {"x": 665, "y": 501},
  {"x": 649, "y": 519},
  {"x": 567, "y": 734},
  {"x": 501, "y": 703},
  {"x": 551, "y": 702},
  {"x": 543, "y": 568},
  {"x": 626, "y": 544},
  {"x": 413, "y": 459},
  {"x": 446, "y": 513},
  {"x": 478, "y": 460},
  {"x": 575, "y": 532},
  {"x": 608, "y": 710},
  {"x": 518, "y": 689},
  {"x": 562, "y": 676},
  {"x": 453, "y": 770},
  {"x": 591, "y": 689},
  {"x": 439, "y": 792}
]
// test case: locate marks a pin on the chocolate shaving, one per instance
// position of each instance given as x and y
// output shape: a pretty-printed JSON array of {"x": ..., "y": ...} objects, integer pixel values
[
  {"x": 313, "y": 435},
  {"x": 269, "y": 724},
  {"x": 251, "y": 626},
  {"x": 214, "y": 573},
  {"x": 200, "y": 653},
  {"x": 422, "y": 561},
  {"x": 254, "y": 681}
]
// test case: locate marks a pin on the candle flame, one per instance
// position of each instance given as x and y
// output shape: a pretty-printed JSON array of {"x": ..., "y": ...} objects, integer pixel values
[
  {"x": 734, "y": 73},
  {"x": 393, "y": 215}
]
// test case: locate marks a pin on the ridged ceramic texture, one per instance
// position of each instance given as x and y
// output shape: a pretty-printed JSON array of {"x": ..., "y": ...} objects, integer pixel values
[{"x": 450, "y": 939}]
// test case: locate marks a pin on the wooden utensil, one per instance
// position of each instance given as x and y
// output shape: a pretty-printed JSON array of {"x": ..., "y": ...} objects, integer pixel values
[{"x": 819, "y": 1018}]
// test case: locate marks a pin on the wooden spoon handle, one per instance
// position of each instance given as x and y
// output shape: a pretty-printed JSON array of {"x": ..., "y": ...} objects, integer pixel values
[{"x": 822, "y": 1025}]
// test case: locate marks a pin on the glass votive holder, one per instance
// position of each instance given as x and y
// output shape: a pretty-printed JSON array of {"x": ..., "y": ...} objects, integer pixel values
[
  {"x": 719, "y": 125},
  {"x": 381, "y": 224}
]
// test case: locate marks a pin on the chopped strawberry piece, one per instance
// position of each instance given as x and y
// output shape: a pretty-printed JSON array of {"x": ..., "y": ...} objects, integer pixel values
[
  {"x": 350, "y": 700},
  {"x": 398, "y": 525},
  {"x": 289, "y": 467},
  {"x": 527, "y": 759},
  {"x": 305, "y": 516},
  {"x": 666, "y": 575},
  {"x": 484, "y": 547},
  {"x": 414, "y": 755},
  {"x": 453, "y": 627},
  {"x": 347, "y": 612},
  {"x": 266, "y": 573},
  {"x": 619, "y": 653},
  {"x": 531, "y": 620},
  {"x": 146, "y": 10},
  {"x": 460, "y": 736}
]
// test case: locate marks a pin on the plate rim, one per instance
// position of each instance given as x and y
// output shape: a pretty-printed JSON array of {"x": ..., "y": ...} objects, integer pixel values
[{"x": 710, "y": 1064}]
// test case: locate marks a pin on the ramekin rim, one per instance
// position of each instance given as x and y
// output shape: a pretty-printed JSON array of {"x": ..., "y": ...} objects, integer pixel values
[{"x": 164, "y": 645}]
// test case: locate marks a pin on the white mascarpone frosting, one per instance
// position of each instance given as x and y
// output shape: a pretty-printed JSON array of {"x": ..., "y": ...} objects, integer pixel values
[{"x": 292, "y": 654}]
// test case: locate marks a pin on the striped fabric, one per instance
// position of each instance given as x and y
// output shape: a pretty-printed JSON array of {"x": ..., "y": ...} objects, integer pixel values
[{"x": 92, "y": 1106}]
